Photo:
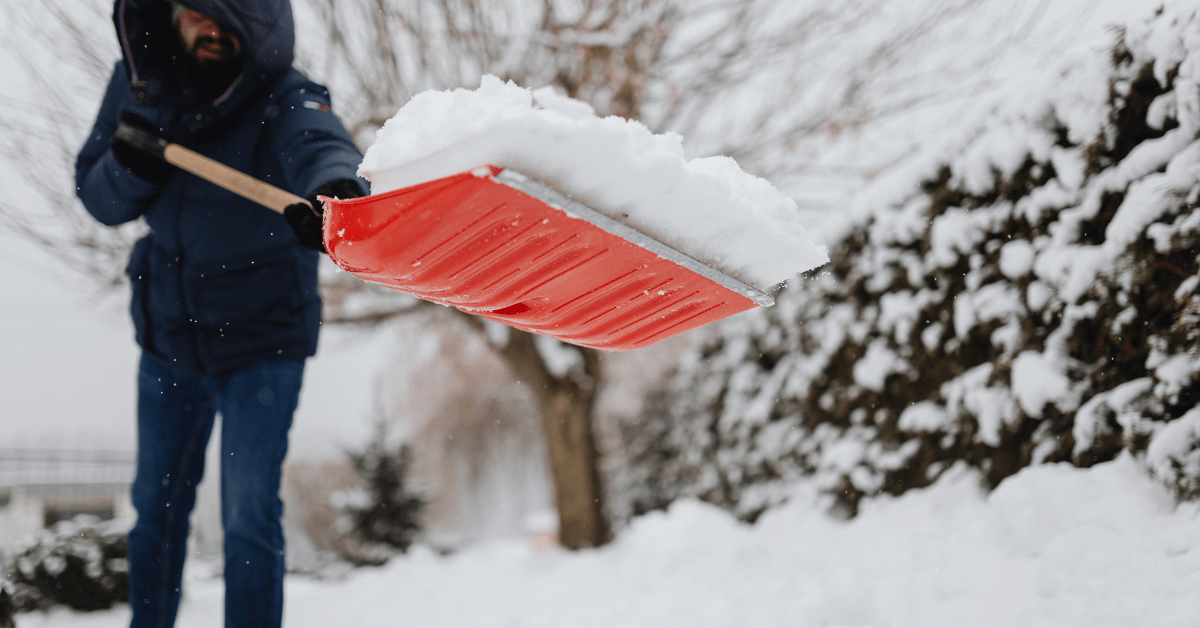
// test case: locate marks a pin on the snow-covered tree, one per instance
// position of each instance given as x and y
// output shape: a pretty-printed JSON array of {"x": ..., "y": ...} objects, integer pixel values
[
  {"x": 385, "y": 516},
  {"x": 1027, "y": 295}
]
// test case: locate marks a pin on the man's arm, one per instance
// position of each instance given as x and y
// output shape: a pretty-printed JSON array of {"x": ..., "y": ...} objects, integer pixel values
[
  {"x": 110, "y": 193},
  {"x": 311, "y": 143}
]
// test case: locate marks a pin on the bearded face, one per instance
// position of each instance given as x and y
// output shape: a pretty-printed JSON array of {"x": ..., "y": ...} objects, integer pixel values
[{"x": 205, "y": 41}]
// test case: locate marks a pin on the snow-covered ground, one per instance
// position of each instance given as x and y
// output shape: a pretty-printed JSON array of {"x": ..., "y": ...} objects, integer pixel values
[{"x": 1052, "y": 547}]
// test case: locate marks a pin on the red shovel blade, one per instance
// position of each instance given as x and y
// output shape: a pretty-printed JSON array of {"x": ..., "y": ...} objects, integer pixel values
[{"x": 500, "y": 245}]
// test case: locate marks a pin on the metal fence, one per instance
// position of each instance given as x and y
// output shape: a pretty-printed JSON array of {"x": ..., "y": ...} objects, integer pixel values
[{"x": 39, "y": 487}]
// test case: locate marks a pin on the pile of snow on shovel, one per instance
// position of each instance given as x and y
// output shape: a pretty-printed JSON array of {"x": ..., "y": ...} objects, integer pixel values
[{"x": 707, "y": 207}]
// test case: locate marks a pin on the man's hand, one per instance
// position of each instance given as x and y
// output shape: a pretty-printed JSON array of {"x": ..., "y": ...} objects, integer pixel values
[
  {"x": 307, "y": 219},
  {"x": 134, "y": 159}
]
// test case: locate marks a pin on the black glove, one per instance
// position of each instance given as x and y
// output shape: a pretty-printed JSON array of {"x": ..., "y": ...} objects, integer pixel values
[
  {"x": 139, "y": 162},
  {"x": 307, "y": 219}
]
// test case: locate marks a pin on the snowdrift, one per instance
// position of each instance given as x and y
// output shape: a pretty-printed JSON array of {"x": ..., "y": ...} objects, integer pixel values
[
  {"x": 1035, "y": 300},
  {"x": 1052, "y": 546}
]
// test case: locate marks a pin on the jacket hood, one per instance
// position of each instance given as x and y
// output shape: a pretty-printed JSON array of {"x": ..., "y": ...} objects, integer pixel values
[{"x": 264, "y": 28}]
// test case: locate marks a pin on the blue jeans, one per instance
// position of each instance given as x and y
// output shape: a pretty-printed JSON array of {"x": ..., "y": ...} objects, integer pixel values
[{"x": 175, "y": 418}]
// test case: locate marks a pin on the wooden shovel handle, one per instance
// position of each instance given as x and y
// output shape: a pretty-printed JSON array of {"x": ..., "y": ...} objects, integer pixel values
[
  {"x": 210, "y": 170},
  {"x": 235, "y": 181}
]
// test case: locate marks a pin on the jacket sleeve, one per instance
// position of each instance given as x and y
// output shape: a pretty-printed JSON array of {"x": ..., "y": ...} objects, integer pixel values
[
  {"x": 313, "y": 146},
  {"x": 110, "y": 193}
]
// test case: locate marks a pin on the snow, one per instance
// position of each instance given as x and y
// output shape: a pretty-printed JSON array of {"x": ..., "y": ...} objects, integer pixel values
[
  {"x": 1016, "y": 259},
  {"x": 995, "y": 301},
  {"x": 898, "y": 312},
  {"x": 969, "y": 394},
  {"x": 1091, "y": 420},
  {"x": 706, "y": 207},
  {"x": 1186, "y": 288},
  {"x": 1053, "y": 546},
  {"x": 1173, "y": 373},
  {"x": 924, "y": 416},
  {"x": 1036, "y": 381},
  {"x": 999, "y": 152},
  {"x": 1174, "y": 452},
  {"x": 844, "y": 456},
  {"x": 954, "y": 232},
  {"x": 872, "y": 370},
  {"x": 1037, "y": 295},
  {"x": 560, "y": 358}
]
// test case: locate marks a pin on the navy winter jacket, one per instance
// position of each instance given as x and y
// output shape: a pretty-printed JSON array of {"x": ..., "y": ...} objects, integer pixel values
[{"x": 220, "y": 282}]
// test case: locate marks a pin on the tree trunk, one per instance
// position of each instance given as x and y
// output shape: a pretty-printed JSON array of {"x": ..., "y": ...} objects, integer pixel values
[
  {"x": 566, "y": 402},
  {"x": 573, "y": 464}
]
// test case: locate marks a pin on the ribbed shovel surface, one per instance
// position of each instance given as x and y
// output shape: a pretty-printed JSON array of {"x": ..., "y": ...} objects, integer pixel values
[{"x": 528, "y": 258}]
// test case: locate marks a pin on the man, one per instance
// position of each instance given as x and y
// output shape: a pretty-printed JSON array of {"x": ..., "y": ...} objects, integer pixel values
[
  {"x": 7, "y": 609},
  {"x": 224, "y": 304}
]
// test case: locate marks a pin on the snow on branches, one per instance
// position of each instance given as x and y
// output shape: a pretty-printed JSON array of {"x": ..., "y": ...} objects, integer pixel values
[{"x": 1036, "y": 301}]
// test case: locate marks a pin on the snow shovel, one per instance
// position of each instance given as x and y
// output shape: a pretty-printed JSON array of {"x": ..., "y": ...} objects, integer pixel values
[{"x": 498, "y": 244}]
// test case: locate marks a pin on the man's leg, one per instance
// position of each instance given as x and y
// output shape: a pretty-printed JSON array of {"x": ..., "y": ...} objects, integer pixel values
[
  {"x": 256, "y": 406},
  {"x": 175, "y": 417}
]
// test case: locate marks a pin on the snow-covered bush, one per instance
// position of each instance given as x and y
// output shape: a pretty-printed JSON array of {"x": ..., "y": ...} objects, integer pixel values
[
  {"x": 1034, "y": 299},
  {"x": 80, "y": 563},
  {"x": 384, "y": 517},
  {"x": 1174, "y": 455}
]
